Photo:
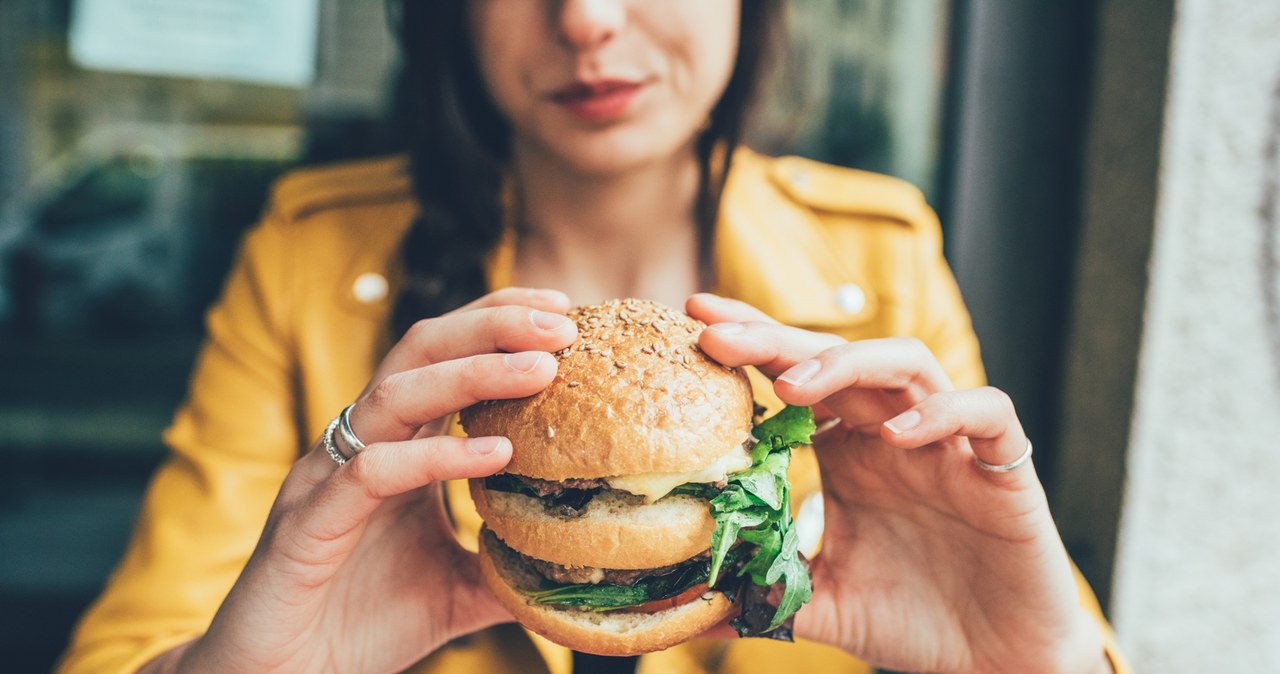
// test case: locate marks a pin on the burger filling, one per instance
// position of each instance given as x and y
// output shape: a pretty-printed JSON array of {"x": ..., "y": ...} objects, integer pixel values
[
  {"x": 628, "y": 590},
  {"x": 571, "y": 501},
  {"x": 753, "y": 548},
  {"x": 573, "y": 575},
  {"x": 567, "y": 498}
]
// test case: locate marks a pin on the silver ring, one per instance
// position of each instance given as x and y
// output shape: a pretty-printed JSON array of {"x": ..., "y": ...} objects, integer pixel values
[
  {"x": 349, "y": 436},
  {"x": 330, "y": 446},
  {"x": 826, "y": 425},
  {"x": 1005, "y": 467}
]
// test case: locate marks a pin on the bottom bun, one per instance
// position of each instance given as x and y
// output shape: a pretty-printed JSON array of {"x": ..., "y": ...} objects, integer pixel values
[{"x": 616, "y": 633}]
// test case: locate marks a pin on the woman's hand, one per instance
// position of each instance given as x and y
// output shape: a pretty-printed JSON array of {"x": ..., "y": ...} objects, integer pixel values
[
  {"x": 357, "y": 569},
  {"x": 929, "y": 563}
]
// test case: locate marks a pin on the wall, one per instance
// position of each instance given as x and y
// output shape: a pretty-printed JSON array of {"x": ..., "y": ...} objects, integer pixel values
[{"x": 1197, "y": 571}]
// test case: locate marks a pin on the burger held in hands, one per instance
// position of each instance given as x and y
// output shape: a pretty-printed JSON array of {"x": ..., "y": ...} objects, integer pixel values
[{"x": 642, "y": 505}]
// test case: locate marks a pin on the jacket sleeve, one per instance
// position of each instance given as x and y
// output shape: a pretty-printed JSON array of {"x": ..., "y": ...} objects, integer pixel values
[{"x": 232, "y": 442}]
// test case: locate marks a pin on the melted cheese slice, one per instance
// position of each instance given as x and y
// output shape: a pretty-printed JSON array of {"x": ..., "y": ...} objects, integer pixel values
[{"x": 653, "y": 486}]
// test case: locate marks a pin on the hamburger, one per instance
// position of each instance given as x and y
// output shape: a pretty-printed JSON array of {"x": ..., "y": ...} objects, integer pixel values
[{"x": 642, "y": 505}]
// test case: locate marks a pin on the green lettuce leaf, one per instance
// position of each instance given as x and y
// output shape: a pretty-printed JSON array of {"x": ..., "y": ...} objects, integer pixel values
[
  {"x": 596, "y": 597},
  {"x": 725, "y": 535},
  {"x": 790, "y": 427},
  {"x": 606, "y": 597},
  {"x": 697, "y": 489},
  {"x": 755, "y": 507}
]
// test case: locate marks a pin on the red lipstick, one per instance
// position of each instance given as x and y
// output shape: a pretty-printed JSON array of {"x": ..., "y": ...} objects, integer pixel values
[{"x": 599, "y": 100}]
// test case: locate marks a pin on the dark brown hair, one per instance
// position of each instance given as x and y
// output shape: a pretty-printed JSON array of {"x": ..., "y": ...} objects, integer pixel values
[{"x": 459, "y": 144}]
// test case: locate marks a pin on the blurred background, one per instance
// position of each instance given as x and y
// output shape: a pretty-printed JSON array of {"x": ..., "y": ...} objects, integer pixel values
[{"x": 1107, "y": 174}]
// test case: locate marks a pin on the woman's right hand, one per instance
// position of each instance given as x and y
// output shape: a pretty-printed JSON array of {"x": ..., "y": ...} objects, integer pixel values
[{"x": 357, "y": 568}]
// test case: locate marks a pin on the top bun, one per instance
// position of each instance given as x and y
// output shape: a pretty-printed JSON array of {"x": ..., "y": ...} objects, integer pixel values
[{"x": 633, "y": 395}]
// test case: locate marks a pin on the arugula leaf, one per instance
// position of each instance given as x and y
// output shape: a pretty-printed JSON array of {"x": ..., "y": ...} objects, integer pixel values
[
  {"x": 606, "y": 597},
  {"x": 769, "y": 543},
  {"x": 596, "y": 597},
  {"x": 755, "y": 507},
  {"x": 732, "y": 497},
  {"x": 697, "y": 489},
  {"x": 767, "y": 480},
  {"x": 726, "y": 534},
  {"x": 797, "y": 586},
  {"x": 792, "y": 426}
]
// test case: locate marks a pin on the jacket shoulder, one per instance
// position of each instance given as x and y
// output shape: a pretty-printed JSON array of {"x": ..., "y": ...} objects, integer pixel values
[
  {"x": 303, "y": 192},
  {"x": 837, "y": 190}
]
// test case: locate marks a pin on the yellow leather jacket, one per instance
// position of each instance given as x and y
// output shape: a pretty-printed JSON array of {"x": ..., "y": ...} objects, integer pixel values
[{"x": 303, "y": 321}]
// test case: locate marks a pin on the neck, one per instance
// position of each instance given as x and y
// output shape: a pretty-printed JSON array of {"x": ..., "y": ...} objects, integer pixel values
[{"x": 625, "y": 234}]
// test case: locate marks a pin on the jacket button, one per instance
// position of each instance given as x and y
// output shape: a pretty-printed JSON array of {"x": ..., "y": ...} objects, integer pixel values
[
  {"x": 370, "y": 287},
  {"x": 801, "y": 180},
  {"x": 850, "y": 298}
]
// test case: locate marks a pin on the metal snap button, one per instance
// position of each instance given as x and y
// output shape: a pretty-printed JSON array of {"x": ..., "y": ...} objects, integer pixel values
[
  {"x": 370, "y": 287},
  {"x": 801, "y": 180},
  {"x": 850, "y": 298}
]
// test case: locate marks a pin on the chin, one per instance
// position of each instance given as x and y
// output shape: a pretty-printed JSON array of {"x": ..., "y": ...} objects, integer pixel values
[{"x": 617, "y": 149}]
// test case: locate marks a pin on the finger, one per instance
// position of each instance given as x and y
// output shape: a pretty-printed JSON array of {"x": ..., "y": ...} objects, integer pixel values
[
  {"x": 483, "y": 330},
  {"x": 899, "y": 364},
  {"x": 480, "y": 609},
  {"x": 710, "y": 308},
  {"x": 405, "y": 401},
  {"x": 985, "y": 416},
  {"x": 771, "y": 347},
  {"x": 387, "y": 469},
  {"x": 865, "y": 382},
  {"x": 720, "y": 631},
  {"x": 545, "y": 299},
  {"x": 825, "y": 613}
]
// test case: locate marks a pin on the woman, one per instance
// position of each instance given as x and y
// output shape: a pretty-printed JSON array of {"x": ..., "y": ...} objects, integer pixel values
[{"x": 581, "y": 145}]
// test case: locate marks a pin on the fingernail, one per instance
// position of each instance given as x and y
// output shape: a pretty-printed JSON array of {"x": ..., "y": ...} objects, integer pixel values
[
  {"x": 485, "y": 446},
  {"x": 903, "y": 422},
  {"x": 727, "y": 328},
  {"x": 525, "y": 361},
  {"x": 547, "y": 320},
  {"x": 800, "y": 373}
]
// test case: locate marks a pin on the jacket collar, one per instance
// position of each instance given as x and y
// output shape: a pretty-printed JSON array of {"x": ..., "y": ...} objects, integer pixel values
[
  {"x": 774, "y": 252},
  {"x": 772, "y": 249}
]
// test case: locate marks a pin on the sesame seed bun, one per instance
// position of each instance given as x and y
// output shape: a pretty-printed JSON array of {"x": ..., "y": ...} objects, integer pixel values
[{"x": 633, "y": 395}]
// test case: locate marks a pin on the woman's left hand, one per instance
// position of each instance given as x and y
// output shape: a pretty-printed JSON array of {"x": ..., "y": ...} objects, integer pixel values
[{"x": 929, "y": 563}]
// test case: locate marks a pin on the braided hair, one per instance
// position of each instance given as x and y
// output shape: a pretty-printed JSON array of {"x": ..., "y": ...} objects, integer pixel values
[{"x": 459, "y": 144}]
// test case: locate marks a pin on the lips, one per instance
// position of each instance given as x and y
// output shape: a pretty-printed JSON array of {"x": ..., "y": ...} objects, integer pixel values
[{"x": 600, "y": 100}]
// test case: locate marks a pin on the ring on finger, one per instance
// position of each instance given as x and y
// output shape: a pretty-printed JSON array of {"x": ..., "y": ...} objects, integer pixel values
[
  {"x": 340, "y": 429},
  {"x": 1005, "y": 467},
  {"x": 348, "y": 436},
  {"x": 331, "y": 447}
]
